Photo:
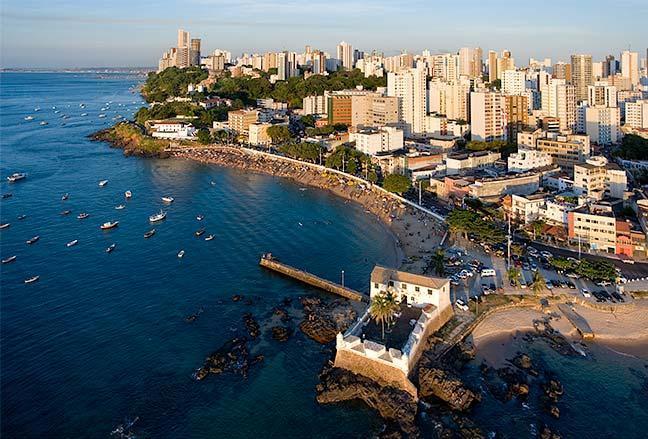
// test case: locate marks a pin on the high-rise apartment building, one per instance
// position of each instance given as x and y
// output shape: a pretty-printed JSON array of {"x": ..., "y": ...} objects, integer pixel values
[
  {"x": 636, "y": 114},
  {"x": 409, "y": 87},
  {"x": 194, "y": 52},
  {"x": 449, "y": 99},
  {"x": 517, "y": 115},
  {"x": 470, "y": 62},
  {"x": 183, "y": 38},
  {"x": 630, "y": 66},
  {"x": 562, "y": 70},
  {"x": 345, "y": 55},
  {"x": 581, "y": 71},
  {"x": 506, "y": 62},
  {"x": 559, "y": 100},
  {"x": 492, "y": 65},
  {"x": 487, "y": 116},
  {"x": 601, "y": 94},
  {"x": 513, "y": 82}
]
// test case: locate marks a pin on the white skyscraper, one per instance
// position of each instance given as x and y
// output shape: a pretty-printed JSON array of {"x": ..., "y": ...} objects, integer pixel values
[
  {"x": 559, "y": 100},
  {"x": 409, "y": 86},
  {"x": 513, "y": 82},
  {"x": 345, "y": 55},
  {"x": 630, "y": 66},
  {"x": 487, "y": 116}
]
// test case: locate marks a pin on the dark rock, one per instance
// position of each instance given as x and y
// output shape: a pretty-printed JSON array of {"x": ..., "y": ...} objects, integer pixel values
[
  {"x": 193, "y": 317},
  {"x": 323, "y": 320},
  {"x": 251, "y": 325},
  {"x": 445, "y": 386},
  {"x": 236, "y": 297},
  {"x": 553, "y": 390},
  {"x": 232, "y": 357},
  {"x": 515, "y": 380},
  {"x": 467, "y": 428},
  {"x": 523, "y": 361},
  {"x": 554, "y": 411},
  {"x": 393, "y": 405},
  {"x": 280, "y": 333},
  {"x": 546, "y": 433},
  {"x": 281, "y": 313}
]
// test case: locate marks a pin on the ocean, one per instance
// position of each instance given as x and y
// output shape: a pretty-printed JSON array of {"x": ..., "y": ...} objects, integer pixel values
[{"x": 101, "y": 338}]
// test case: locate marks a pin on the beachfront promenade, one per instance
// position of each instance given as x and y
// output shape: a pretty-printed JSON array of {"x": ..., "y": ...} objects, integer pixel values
[{"x": 269, "y": 262}]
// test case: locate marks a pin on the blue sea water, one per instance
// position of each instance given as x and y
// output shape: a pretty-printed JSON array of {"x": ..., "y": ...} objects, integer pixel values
[{"x": 102, "y": 337}]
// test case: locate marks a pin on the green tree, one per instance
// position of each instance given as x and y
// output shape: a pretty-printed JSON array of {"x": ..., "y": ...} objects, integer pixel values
[
  {"x": 382, "y": 309},
  {"x": 352, "y": 167},
  {"x": 537, "y": 226},
  {"x": 438, "y": 261},
  {"x": 308, "y": 120},
  {"x": 204, "y": 137},
  {"x": 538, "y": 284},
  {"x": 397, "y": 183},
  {"x": 372, "y": 176},
  {"x": 514, "y": 275},
  {"x": 279, "y": 134}
]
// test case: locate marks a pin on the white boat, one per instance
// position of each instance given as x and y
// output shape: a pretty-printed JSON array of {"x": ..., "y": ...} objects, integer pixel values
[
  {"x": 213, "y": 183},
  {"x": 167, "y": 200},
  {"x": 32, "y": 279},
  {"x": 199, "y": 232},
  {"x": 128, "y": 194},
  {"x": 33, "y": 240},
  {"x": 72, "y": 243},
  {"x": 16, "y": 176},
  {"x": 111, "y": 248},
  {"x": 56, "y": 111},
  {"x": 209, "y": 238},
  {"x": 21, "y": 217},
  {"x": 4, "y": 225},
  {"x": 83, "y": 215},
  {"x": 109, "y": 225},
  {"x": 101, "y": 116},
  {"x": 120, "y": 207},
  {"x": 65, "y": 197},
  {"x": 200, "y": 217},
  {"x": 84, "y": 114},
  {"x": 9, "y": 259},
  {"x": 157, "y": 217},
  {"x": 37, "y": 109},
  {"x": 102, "y": 183},
  {"x": 66, "y": 212},
  {"x": 43, "y": 122},
  {"x": 149, "y": 233},
  {"x": 181, "y": 253},
  {"x": 29, "y": 117}
]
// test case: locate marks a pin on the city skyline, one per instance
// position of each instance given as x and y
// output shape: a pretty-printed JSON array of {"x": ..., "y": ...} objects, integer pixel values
[{"x": 34, "y": 35}]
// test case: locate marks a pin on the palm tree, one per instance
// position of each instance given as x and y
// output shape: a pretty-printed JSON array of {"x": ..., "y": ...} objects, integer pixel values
[
  {"x": 514, "y": 275},
  {"x": 439, "y": 262},
  {"x": 538, "y": 283},
  {"x": 382, "y": 309}
]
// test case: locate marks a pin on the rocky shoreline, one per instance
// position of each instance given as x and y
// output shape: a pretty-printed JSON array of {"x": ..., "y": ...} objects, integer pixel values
[{"x": 130, "y": 139}]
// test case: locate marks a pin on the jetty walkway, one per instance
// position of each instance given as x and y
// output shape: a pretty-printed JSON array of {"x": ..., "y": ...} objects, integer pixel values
[
  {"x": 271, "y": 263},
  {"x": 577, "y": 320}
]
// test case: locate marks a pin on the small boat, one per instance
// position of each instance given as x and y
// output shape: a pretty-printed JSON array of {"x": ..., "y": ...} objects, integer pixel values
[
  {"x": 84, "y": 114},
  {"x": 66, "y": 212},
  {"x": 181, "y": 253},
  {"x": 43, "y": 122},
  {"x": 300, "y": 224},
  {"x": 101, "y": 116},
  {"x": 109, "y": 225},
  {"x": 4, "y": 225},
  {"x": 72, "y": 243},
  {"x": 16, "y": 176},
  {"x": 157, "y": 217},
  {"x": 199, "y": 232},
  {"x": 209, "y": 238},
  {"x": 102, "y": 183},
  {"x": 7, "y": 195},
  {"x": 200, "y": 217},
  {"x": 37, "y": 109},
  {"x": 120, "y": 207},
  {"x": 32, "y": 279},
  {"x": 149, "y": 233},
  {"x": 128, "y": 194},
  {"x": 57, "y": 111},
  {"x": 21, "y": 217},
  {"x": 29, "y": 118},
  {"x": 81, "y": 105},
  {"x": 33, "y": 240},
  {"x": 9, "y": 260},
  {"x": 167, "y": 200},
  {"x": 83, "y": 215},
  {"x": 65, "y": 197},
  {"x": 111, "y": 248}
]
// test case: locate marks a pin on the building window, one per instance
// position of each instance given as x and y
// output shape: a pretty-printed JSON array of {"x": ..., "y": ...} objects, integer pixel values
[
  {"x": 430, "y": 291},
  {"x": 403, "y": 286},
  {"x": 391, "y": 283},
  {"x": 417, "y": 289},
  {"x": 375, "y": 284}
]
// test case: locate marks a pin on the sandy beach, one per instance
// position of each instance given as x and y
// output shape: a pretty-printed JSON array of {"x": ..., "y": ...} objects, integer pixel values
[{"x": 417, "y": 234}]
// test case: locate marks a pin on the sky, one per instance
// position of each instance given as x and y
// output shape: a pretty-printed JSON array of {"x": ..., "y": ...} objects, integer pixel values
[{"x": 92, "y": 33}]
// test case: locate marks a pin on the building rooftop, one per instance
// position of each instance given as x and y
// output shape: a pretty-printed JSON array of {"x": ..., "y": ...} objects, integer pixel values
[{"x": 383, "y": 275}]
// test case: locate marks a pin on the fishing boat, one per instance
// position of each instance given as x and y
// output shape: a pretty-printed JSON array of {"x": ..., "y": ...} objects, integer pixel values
[
  {"x": 213, "y": 183},
  {"x": 111, "y": 248},
  {"x": 4, "y": 225},
  {"x": 101, "y": 116},
  {"x": 181, "y": 253},
  {"x": 57, "y": 111},
  {"x": 149, "y": 233},
  {"x": 72, "y": 243},
  {"x": 157, "y": 217},
  {"x": 109, "y": 225},
  {"x": 83, "y": 215},
  {"x": 199, "y": 232},
  {"x": 66, "y": 212},
  {"x": 167, "y": 200},
  {"x": 21, "y": 217},
  {"x": 200, "y": 217},
  {"x": 44, "y": 122},
  {"x": 16, "y": 176},
  {"x": 65, "y": 197},
  {"x": 9, "y": 259},
  {"x": 33, "y": 240},
  {"x": 32, "y": 279},
  {"x": 209, "y": 238},
  {"x": 29, "y": 118},
  {"x": 84, "y": 114},
  {"x": 102, "y": 183},
  {"x": 128, "y": 194},
  {"x": 120, "y": 207},
  {"x": 37, "y": 109}
]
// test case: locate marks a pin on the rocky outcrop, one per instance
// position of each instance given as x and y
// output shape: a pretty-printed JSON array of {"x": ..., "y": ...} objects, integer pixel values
[
  {"x": 232, "y": 357},
  {"x": 323, "y": 320},
  {"x": 131, "y": 138},
  {"x": 394, "y": 405},
  {"x": 251, "y": 325},
  {"x": 280, "y": 333},
  {"x": 444, "y": 385}
]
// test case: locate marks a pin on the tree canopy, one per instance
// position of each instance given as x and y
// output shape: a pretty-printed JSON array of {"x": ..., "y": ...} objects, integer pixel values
[
  {"x": 279, "y": 134},
  {"x": 171, "y": 82},
  {"x": 309, "y": 152},
  {"x": 466, "y": 221},
  {"x": 633, "y": 147}
]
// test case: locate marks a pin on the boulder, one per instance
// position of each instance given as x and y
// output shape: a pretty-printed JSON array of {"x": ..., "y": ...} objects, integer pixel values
[
  {"x": 447, "y": 387},
  {"x": 231, "y": 357},
  {"x": 280, "y": 333},
  {"x": 251, "y": 325}
]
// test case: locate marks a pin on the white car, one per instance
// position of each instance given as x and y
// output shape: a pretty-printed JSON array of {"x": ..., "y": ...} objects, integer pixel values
[
  {"x": 461, "y": 305},
  {"x": 585, "y": 293},
  {"x": 546, "y": 254},
  {"x": 572, "y": 275}
]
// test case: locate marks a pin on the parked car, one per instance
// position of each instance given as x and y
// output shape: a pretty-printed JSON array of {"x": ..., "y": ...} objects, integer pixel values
[
  {"x": 585, "y": 292},
  {"x": 461, "y": 305},
  {"x": 571, "y": 285},
  {"x": 549, "y": 285}
]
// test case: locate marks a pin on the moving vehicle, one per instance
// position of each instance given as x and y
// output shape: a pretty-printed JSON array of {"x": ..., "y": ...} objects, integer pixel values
[
  {"x": 33, "y": 240},
  {"x": 32, "y": 279},
  {"x": 83, "y": 215},
  {"x": 149, "y": 233},
  {"x": 72, "y": 243},
  {"x": 102, "y": 183},
  {"x": 168, "y": 200},
  {"x": 9, "y": 259},
  {"x": 4, "y": 225},
  {"x": 199, "y": 232}
]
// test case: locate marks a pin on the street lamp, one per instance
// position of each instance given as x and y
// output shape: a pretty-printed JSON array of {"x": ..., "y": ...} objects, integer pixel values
[{"x": 342, "y": 278}]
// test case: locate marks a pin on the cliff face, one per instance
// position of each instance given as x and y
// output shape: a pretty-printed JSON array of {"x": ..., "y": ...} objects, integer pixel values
[{"x": 131, "y": 138}]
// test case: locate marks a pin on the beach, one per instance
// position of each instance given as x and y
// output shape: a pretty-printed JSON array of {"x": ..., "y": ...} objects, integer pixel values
[{"x": 416, "y": 233}]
